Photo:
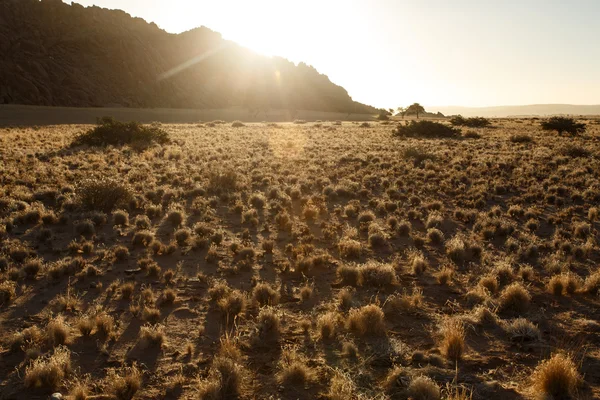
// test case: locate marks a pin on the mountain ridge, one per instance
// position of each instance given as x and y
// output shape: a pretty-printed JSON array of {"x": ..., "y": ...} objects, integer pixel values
[{"x": 58, "y": 54}]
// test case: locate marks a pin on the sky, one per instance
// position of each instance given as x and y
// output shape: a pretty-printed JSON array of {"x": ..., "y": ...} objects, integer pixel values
[{"x": 391, "y": 53}]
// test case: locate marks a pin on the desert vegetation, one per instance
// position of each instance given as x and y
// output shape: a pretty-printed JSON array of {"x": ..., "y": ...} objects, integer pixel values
[{"x": 305, "y": 260}]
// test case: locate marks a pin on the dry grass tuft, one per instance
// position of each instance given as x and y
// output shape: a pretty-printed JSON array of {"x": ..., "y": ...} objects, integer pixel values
[
  {"x": 453, "y": 339},
  {"x": 557, "y": 377},
  {"x": 515, "y": 298},
  {"x": 124, "y": 386},
  {"x": 293, "y": 370},
  {"x": 48, "y": 372},
  {"x": 424, "y": 388},
  {"x": 366, "y": 321}
]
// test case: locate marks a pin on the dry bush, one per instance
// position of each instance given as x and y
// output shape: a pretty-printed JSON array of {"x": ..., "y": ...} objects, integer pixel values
[
  {"x": 341, "y": 387},
  {"x": 86, "y": 325},
  {"x": 326, "y": 325},
  {"x": 377, "y": 274},
  {"x": 424, "y": 388},
  {"x": 7, "y": 292},
  {"x": 232, "y": 304},
  {"x": 103, "y": 194},
  {"x": 225, "y": 380},
  {"x": 397, "y": 304},
  {"x": 293, "y": 370},
  {"x": 124, "y": 386},
  {"x": 557, "y": 377},
  {"x": 58, "y": 332},
  {"x": 453, "y": 339},
  {"x": 269, "y": 325},
  {"x": 265, "y": 295},
  {"x": 366, "y": 321},
  {"x": 444, "y": 276},
  {"x": 152, "y": 336},
  {"x": 515, "y": 298},
  {"x": 522, "y": 330},
  {"x": 105, "y": 324},
  {"x": 396, "y": 382},
  {"x": 48, "y": 372}
]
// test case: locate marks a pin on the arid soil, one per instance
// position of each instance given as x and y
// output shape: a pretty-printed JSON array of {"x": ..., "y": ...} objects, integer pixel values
[{"x": 301, "y": 261}]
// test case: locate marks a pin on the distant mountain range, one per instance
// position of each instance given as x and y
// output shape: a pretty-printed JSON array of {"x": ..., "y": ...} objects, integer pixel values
[
  {"x": 528, "y": 110},
  {"x": 55, "y": 54}
]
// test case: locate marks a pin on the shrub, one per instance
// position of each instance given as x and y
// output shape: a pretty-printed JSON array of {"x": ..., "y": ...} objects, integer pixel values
[
  {"x": 520, "y": 138},
  {"x": 103, "y": 194},
  {"x": 522, "y": 330},
  {"x": 453, "y": 339},
  {"x": 237, "y": 124},
  {"x": 426, "y": 129},
  {"x": 556, "y": 377},
  {"x": 424, "y": 388},
  {"x": 474, "y": 122},
  {"x": 515, "y": 298},
  {"x": 111, "y": 132},
  {"x": 125, "y": 387},
  {"x": 563, "y": 124},
  {"x": 293, "y": 370},
  {"x": 367, "y": 321},
  {"x": 418, "y": 154},
  {"x": 48, "y": 372},
  {"x": 7, "y": 292},
  {"x": 573, "y": 151},
  {"x": 263, "y": 294}
]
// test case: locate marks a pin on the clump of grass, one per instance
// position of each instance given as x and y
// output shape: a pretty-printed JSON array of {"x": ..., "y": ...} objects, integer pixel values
[
  {"x": 225, "y": 380},
  {"x": 515, "y": 298},
  {"x": 7, "y": 292},
  {"x": 453, "y": 339},
  {"x": 293, "y": 370},
  {"x": 110, "y": 132},
  {"x": 104, "y": 194},
  {"x": 152, "y": 336},
  {"x": 522, "y": 330},
  {"x": 366, "y": 321},
  {"x": 557, "y": 377},
  {"x": 48, "y": 372},
  {"x": 265, "y": 295},
  {"x": 377, "y": 274},
  {"x": 124, "y": 386},
  {"x": 121, "y": 218},
  {"x": 268, "y": 323},
  {"x": 520, "y": 138},
  {"x": 58, "y": 332},
  {"x": 423, "y": 388},
  {"x": 232, "y": 304},
  {"x": 326, "y": 325}
]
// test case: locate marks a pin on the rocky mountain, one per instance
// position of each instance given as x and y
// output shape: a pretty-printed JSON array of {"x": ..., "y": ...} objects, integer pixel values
[{"x": 56, "y": 54}]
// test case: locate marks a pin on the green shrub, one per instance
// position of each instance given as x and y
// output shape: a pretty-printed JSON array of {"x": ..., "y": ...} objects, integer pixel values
[
  {"x": 563, "y": 124},
  {"x": 475, "y": 122},
  {"x": 108, "y": 131},
  {"x": 426, "y": 129},
  {"x": 103, "y": 194}
]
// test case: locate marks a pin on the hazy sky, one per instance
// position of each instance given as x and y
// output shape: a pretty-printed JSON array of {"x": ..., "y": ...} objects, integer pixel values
[{"x": 389, "y": 53}]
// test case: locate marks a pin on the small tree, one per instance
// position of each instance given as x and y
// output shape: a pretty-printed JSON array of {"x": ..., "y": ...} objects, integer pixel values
[
  {"x": 563, "y": 124},
  {"x": 415, "y": 108},
  {"x": 402, "y": 111}
]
